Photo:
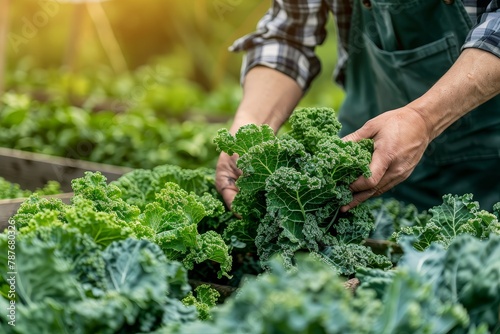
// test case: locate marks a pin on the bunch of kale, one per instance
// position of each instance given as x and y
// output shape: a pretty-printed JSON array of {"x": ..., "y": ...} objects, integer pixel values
[{"x": 292, "y": 187}]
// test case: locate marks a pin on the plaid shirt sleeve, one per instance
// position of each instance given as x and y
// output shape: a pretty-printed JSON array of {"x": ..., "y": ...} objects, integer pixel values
[
  {"x": 486, "y": 33},
  {"x": 285, "y": 40}
]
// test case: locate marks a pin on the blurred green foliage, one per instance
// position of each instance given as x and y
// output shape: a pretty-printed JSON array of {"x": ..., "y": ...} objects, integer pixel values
[
  {"x": 193, "y": 37},
  {"x": 170, "y": 47}
]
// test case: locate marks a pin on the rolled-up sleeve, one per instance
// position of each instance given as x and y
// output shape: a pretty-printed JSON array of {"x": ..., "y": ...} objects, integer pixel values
[
  {"x": 486, "y": 34},
  {"x": 285, "y": 39}
]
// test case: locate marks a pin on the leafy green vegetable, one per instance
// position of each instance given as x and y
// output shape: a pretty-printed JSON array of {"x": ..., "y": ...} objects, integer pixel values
[
  {"x": 392, "y": 215},
  {"x": 465, "y": 274},
  {"x": 311, "y": 298},
  {"x": 174, "y": 217},
  {"x": 35, "y": 204},
  {"x": 103, "y": 227},
  {"x": 205, "y": 299},
  {"x": 496, "y": 210},
  {"x": 137, "y": 138},
  {"x": 10, "y": 190},
  {"x": 116, "y": 282},
  {"x": 457, "y": 215},
  {"x": 140, "y": 186},
  {"x": 293, "y": 186},
  {"x": 134, "y": 287},
  {"x": 105, "y": 197}
]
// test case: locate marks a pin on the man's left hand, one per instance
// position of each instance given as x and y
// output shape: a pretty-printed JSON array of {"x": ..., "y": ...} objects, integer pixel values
[{"x": 400, "y": 139}]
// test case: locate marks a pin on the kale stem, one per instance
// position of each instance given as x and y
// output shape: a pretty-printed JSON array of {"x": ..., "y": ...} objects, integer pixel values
[{"x": 333, "y": 219}]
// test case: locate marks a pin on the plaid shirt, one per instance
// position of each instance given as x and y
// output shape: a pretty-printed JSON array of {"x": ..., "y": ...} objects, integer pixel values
[{"x": 287, "y": 34}]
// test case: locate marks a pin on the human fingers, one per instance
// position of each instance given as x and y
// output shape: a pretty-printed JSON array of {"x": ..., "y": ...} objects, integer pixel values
[{"x": 225, "y": 178}]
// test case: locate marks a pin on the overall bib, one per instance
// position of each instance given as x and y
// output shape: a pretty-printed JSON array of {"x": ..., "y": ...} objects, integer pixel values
[{"x": 397, "y": 50}]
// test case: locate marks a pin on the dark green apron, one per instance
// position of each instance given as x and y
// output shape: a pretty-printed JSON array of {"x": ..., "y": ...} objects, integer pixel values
[{"x": 397, "y": 51}]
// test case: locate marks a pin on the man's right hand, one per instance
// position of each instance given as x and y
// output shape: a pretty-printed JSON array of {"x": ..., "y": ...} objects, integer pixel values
[{"x": 225, "y": 178}]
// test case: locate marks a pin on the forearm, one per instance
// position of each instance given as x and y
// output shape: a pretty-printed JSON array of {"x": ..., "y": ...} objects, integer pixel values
[
  {"x": 269, "y": 97},
  {"x": 471, "y": 81}
]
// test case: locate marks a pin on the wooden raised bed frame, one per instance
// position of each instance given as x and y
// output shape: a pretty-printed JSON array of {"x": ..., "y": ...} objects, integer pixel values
[{"x": 34, "y": 170}]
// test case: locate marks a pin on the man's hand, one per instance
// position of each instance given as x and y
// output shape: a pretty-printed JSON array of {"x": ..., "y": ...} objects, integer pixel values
[
  {"x": 400, "y": 139},
  {"x": 402, "y": 135},
  {"x": 269, "y": 97},
  {"x": 226, "y": 175}
]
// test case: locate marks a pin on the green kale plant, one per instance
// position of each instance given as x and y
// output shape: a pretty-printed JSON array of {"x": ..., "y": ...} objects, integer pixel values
[
  {"x": 140, "y": 186},
  {"x": 292, "y": 187},
  {"x": 9, "y": 190},
  {"x": 457, "y": 215},
  {"x": 312, "y": 298},
  {"x": 392, "y": 215},
  {"x": 466, "y": 273},
  {"x": 66, "y": 282},
  {"x": 102, "y": 265},
  {"x": 173, "y": 219}
]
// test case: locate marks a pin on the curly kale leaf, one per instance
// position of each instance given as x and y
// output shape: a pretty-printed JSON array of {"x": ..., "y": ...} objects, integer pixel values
[
  {"x": 340, "y": 162},
  {"x": 204, "y": 299},
  {"x": 174, "y": 219},
  {"x": 468, "y": 274},
  {"x": 353, "y": 226},
  {"x": 127, "y": 270},
  {"x": 103, "y": 227},
  {"x": 139, "y": 270},
  {"x": 311, "y": 298},
  {"x": 294, "y": 197},
  {"x": 139, "y": 186},
  {"x": 79, "y": 248},
  {"x": 392, "y": 215},
  {"x": 261, "y": 154},
  {"x": 138, "y": 288},
  {"x": 410, "y": 306},
  {"x": 136, "y": 187},
  {"x": 105, "y": 197},
  {"x": 199, "y": 180},
  {"x": 35, "y": 204},
  {"x": 293, "y": 185},
  {"x": 210, "y": 246},
  {"x": 457, "y": 215},
  {"x": 10, "y": 190},
  {"x": 40, "y": 263},
  {"x": 347, "y": 258},
  {"x": 50, "y": 188},
  {"x": 244, "y": 139},
  {"x": 496, "y": 210},
  {"x": 312, "y": 125}
]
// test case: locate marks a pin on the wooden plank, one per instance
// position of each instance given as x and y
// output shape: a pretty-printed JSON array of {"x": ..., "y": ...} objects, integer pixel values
[
  {"x": 33, "y": 170},
  {"x": 8, "y": 207}
]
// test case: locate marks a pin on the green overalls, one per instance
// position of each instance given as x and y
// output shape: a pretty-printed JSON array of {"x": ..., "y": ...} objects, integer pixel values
[{"x": 397, "y": 51}]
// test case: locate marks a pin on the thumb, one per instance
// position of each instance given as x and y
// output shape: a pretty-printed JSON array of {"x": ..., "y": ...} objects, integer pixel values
[{"x": 361, "y": 133}]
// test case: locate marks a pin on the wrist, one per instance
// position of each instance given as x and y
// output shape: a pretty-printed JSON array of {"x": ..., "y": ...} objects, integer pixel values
[{"x": 424, "y": 111}]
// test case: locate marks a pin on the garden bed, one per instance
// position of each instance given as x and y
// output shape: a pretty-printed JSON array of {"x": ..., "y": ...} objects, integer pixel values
[
  {"x": 33, "y": 170},
  {"x": 8, "y": 207}
]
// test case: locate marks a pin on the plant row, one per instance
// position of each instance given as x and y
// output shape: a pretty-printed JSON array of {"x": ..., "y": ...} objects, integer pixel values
[
  {"x": 138, "y": 139},
  {"x": 123, "y": 256},
  {"x": 9, "y": 190}
]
